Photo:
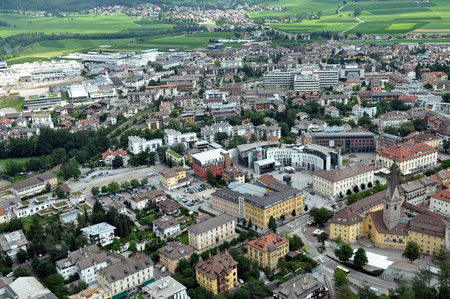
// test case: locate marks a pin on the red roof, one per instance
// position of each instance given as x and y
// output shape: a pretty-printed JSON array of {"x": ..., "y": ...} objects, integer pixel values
[
  {"x": 407, "y": 151},
  {"x": 443, "y": 195},
  {"x": 114, "y": 153}
]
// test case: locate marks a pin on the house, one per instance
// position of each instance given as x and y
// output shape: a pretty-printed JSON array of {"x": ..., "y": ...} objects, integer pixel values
[
  {"x": 137, "y": 145},
  {"x": 142, "y": 200},
  {"x": 13, "y": 242},
  {"x": 109, "y": 156},
  {"x": 233, "y": 174},
  {"x": 5, "y": 215},
  {"x": 218, "y": 274},
  {"x": 302, "y": 286},
  {"x": 85, "y": 262},
  {"x": 440, "y": 202},
  {"x": 331, "y": 111},
  {"x": 268, "y": 249},
  {"x": 172, "y": 253},
  {"x": 166, "y": 226},
  {"x": 101, "y": 233},
  {"x": 127, "y": 276},
  {"x": 169, "y": 207},
  {"x": 166, "y": 288}
]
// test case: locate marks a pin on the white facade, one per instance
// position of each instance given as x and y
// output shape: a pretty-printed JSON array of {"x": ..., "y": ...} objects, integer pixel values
[
  {"x": 100, "y": 233},
  {"x": 361, "y": 111},
  {"x": 163, "y": 229},
  {"x": 46, "y": 70},
  {"x": 166, "y": 288},
  {"x": 279, "y": 78},
  {"x": 137, "y": 145},
  {"x": 215, "y": 94},
  {"x": 172, "y": 137},
  {"x": 300, "y": 159},
  {"x": 303, "y": 83},
  {"x": 440, "y": 205},
  {"x": 212, "y": 231}
]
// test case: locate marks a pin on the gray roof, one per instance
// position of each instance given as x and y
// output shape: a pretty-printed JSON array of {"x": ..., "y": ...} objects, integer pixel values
[
  {"x": 176, "y": 250},
  {"x": 12, "y": 240},
  {"x": 84, "y": 257},
  {"x": 211, "y": 223},
  {"x": 126, "y": 267},
  {"x": 33, "y": 181},
  {"x": 343, "y": 173},
  {"x": 166, "y": 287},
  {"x": 98, "y": 228}
]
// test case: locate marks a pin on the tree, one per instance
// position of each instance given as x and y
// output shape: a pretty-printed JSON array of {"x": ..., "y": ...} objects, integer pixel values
[
  {"x": 370, "y": 185},
  {"x": 95, "y": 191},
  {"x": 113, "y": 188},
  {"x": 21, "y": 272},
  {"x": 22, "y": 256},
  {"x": 344, "y": 292},
  {"x": 70, "y": 169},
  {"x": 305, "y": 208},
  {"x": 321, "y": 215},
  {"x": 144, "y": 181},
  {"x": 104, "y": 189},
  {"x": 210, "y": 177},
  {"x": 250, "y": 224},
  {"x": 364, "y": 292},
  {"x": 272, "y": 224},
  {"x": 412, "y": 251},
  {"x": 338, "y": 240},
  {"x": 363, "y": 186},
  {"x": 357, "y": 12},
  {"x": 322, "y": 238},
  {"x": 349, "y": 192},
  {"x": 117, "y": 162},
  {"x": 360, "y": 258},
  {"x": 356, "y": 189},
  {"x": 295, "y": 243},
  {"x": 340, "y": 278},
  {"x": 125, "y": 185},
  {"x": 344, "y": 253},
  {"x": 134, "y": 183}
]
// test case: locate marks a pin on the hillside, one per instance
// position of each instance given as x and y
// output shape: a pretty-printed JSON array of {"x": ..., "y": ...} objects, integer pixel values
[{"x": 63, "y": 5}]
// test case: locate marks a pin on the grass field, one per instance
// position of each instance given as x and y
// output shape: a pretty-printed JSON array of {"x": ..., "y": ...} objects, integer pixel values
[
  {"x": 20, "y": 160},
  {"x": 378, "y": 17},
  {"x": 16, "y": 103}
]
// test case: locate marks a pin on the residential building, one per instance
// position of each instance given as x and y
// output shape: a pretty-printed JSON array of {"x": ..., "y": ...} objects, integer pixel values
[
  {"x": 346, "y": 224},
  {"x": 127, "y": 276},
  {"x": 440, "y": 202},
  {"x": 268, "y": 249},
  {"x": 166, "y": 226},
  {"x": 211, "y": 232},
  {"x": 28, "y": 288},
  {"x": 356, "y": 141},
  {"x": 109, "y": 156},
  {"x": 217, "y": 274},
  {"x": 386, "y": 140},
  {"x": 411, "y": 157},
  {"x": 233, "y": 174},
  {"x": 267, "y": 132},
  {"x": 13, "y": 242},
  {"x": 34, "y": 185},
  {"x": 175, "y": 157},
  {"x": 166, "y": 288},
  {"x": 173, "y": 178},
  {"x": 328, "y": 99},
  {"x": 392, "y": 119},
  {"x": 92, "y": 293},
  {"x": 213, "y": 160},
  {"x": 5, "y": 215},
  {"x": 361, "y": 111},
  {"x": 172, "y": 137},
  {"x": 169, "y": 207},
  {"x": 414, "y": 192},
  {"x": 302, "y": 286},
  {"x": 279, "y": 78},
  {"x": 336, "y": 182},
  {"x": 172, "y": 253},
  {"x": 151, "y": 197},
  {"x": 85, "y": 262},
  {"x": 101, "y": 233},
  {"x": 137, "y": 145}
]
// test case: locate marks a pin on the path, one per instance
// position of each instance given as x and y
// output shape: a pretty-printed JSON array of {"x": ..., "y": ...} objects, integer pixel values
[
  {"x": 359, "y": 23},
  {"x": 340, "y": 8}
]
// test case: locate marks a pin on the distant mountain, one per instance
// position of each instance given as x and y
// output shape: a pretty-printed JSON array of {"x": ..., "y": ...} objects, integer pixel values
[{"x": 66, "y": 5}]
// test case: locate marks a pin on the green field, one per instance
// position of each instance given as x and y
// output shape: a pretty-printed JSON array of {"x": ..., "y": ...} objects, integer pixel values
[
  {"x": 19, "y": 160},
  {"x": 16, "y": 103},
  {"x": 378, "y": 17}
]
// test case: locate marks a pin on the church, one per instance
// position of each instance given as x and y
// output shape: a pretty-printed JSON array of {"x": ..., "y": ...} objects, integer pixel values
[{"x": 387, "y": 225}]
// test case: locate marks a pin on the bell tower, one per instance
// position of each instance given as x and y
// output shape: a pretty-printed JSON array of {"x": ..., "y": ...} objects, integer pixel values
[{"x": 392, "y": 201}]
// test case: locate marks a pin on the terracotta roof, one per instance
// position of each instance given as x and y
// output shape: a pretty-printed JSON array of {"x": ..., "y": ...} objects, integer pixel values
[
  {"x": 216, "y": 266},
  {"x": 346, "y": 217},
  {"x": 406, "y": 151},
  {"x": 114, "y": 153},
  {"x": 268, "y": 243},
  {"x": 267, "y": 179},
  {"x": 443, "y": 195}
]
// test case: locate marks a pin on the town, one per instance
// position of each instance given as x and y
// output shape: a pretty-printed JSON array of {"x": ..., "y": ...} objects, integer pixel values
[{"x": 259, "y": 171}]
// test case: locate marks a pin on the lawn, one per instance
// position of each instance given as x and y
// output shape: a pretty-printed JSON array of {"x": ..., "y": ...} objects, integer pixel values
[
  {"x": 378, "y": 17},
  {"x": 3, "y": 162},
  {"x": 184, "y": 238},
  {"x": 16, "y": 102}
]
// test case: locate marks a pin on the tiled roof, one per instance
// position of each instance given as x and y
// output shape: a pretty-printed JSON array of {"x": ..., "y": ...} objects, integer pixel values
[
  {"x": 344, "y": 173},
  {"x": 443, "y": 195},
  {"x": 406, "y": 151},
  {"x": 346, "y": 217},
  {"x": 216, "y": 266},
  {"x": 269, "y": 242}
]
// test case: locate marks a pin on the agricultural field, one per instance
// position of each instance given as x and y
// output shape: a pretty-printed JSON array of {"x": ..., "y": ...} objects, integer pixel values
[{"x": 377, "y": 17}]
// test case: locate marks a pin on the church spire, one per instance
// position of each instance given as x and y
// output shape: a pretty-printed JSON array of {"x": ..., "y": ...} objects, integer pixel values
[
  {"x": 392, "y": 201},
  {"x": 393, "y": 181}
]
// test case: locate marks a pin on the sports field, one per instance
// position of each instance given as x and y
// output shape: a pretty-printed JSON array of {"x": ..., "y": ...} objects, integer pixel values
[{"x": 377, "y": 17}]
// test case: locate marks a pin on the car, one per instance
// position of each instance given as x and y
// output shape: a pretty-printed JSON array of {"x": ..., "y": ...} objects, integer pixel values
[
  {"x": 163, "y": 269},
  {"x": 10, "y": 274},
  {"x": 312, "y": 193}
]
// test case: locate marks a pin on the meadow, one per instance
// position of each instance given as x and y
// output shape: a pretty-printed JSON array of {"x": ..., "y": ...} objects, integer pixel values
[{"x": 377, "y": 17}]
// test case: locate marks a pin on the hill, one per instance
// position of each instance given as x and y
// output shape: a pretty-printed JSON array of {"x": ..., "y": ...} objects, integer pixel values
[{"x": 64, "y": 5}]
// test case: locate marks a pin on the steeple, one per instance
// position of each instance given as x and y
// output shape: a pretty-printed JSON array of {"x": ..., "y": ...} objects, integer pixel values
[{"x": 392, "y": 201}]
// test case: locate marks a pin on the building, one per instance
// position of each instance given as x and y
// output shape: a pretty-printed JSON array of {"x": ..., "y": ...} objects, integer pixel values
[
  {"x": 392, "y": 119},
  {"x": 137, "y": 145},
  {"x": 213, "y": 160},
  {"x": 440, "y": 202},
  {"x": 27, "y": 287},
  {"x": 35, "y": 184},
  {"x": 151, "y": 197},
  {"x": 361, "y": 111},
  {"x": 173, "y": 178},
  {"x": 268, "y": 249},
  {"x": 357, "y": 141},
  {"x": 172, "y": 253},
  {"x": 92, "y": 293},
  {"x": 386, "y": 140},
  {"x": 233, "y": 174},
  {"x": 414, "y": 192},
  {"x": 218, "y": 274},
  {"x": 166, "y": 226},
  {"x": 127, "y": 276},
  {"x": 266, "y": 132},
  {"x": 172, "y": 137},
  {"x": 211, "y": 232},
  {"x": 302, "y": 286},
  {"x": 258, "y": 203},
  {"x": 279, "y": 78},
  {"x": 411, "y": 157},
  {"x": 175, "y": 157},
  {"x": 101, "y": 233},
  {"x": 46, "y": 70},
  {"x": 13, "y": 242},
  {"x": 328, "y": 99},
  {"x": 42, "y": 102},
  {"x": 346, "y": 224},
  {"x": 85, "y": 262},
  {"x": 336, "y": 182},
  {"x": 307, "y": 83},
  {"x": 109, "y": 156},
  {"x": 166, "y": 288}
]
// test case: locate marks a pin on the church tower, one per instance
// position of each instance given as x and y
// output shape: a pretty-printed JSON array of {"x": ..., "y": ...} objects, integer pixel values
[{"x": 392, "y": 201}]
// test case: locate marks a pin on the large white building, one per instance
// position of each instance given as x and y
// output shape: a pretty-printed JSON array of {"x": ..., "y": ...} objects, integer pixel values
[
  {"x": 101, "y": 233},
  {"x": 85, "y": 262},
  {"x": 440, "y": 202},
  {"x": 212, "y": 231},
  {"x": 280, "y": 78},
  {"x": 137, "y": 145},
  {"x": 338, "y": 181},
  {"x": 166, "y": 288},
  {"x": 172, "y": 137},
  {"x": 361, "y": 111},
  {"x": 307, "y": 82},
  {"x": 46, "y": 70},
  {"x": 393, "y": 119}
]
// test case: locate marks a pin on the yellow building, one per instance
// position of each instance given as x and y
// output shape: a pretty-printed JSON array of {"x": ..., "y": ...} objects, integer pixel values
[
  {"x": 174, "y": 177},
  {"x": 267, "y": 249},
  {"x": 388, "y": 226},
  {"x": 172, "y": 253},
  {"x": 217, "y": 274}
]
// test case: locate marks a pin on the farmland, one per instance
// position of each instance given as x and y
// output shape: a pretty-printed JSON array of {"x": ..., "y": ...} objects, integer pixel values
[{"x": 377, "y": 17}]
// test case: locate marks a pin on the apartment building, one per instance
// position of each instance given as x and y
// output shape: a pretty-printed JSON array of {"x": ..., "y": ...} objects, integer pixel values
[
  {"x": 211, "y": 232},
  {"x": 137, "y": 145},
  {"x": 173, "y": 178},
  {"x": 268, "y": 249},
  {"x": 264, "y": 131},
  {"x": 392, "y": 119},
  {"x": 13, "y": 242},
  {"x": 166, "y": 226},
  {"x": 172, "y": 253},
  {"x": 166, "y": 288},
  {"x": 172, "y": 137},
  {"x": 218, "y": 274},
  {"x": 213, "y": 161},
  {"x": 279, "y": 78},
  {"x": 411, "y": 157},
  {"x": 361, "y": 111},
  {"x": 101, "y": 233},
  {"x": 336, "y": 182},
  {"x": 346, "y": 224},
  {"x": 233, "y": 174},
  {"x": 127, "y": 276},
  {"x": 440, "y": 202},
  {"x": 302, "y": 286}
]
